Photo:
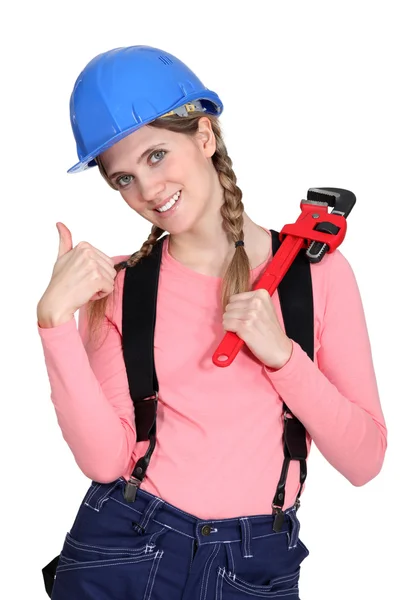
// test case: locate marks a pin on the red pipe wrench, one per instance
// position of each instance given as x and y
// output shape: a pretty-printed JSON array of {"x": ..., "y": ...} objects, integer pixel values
[{"x": 317, "y": 230}]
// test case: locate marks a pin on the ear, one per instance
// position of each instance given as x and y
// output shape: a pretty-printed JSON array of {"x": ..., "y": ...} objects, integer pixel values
[{"x": 205, "y": 137}]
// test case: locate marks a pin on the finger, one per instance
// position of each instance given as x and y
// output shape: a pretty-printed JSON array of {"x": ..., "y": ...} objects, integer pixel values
[
  {"x": 65, "y": 240},
  {"x": 100, "y": 295},
  {"x": 241, "y": 315},
  {"x": 105, "y": 257},
  {"x": 105, "y": 284},
  {"x": 237, "y": 305},
  {"x": 236, "y": 313},
  {"x": 242, "y": 296},
  {"x": 259, "y": 293},
  {"x": 233, "y": 325},
  {"x": 107, "y": 272},
  {"x": 97, "y": 256},
  {"x": 107, "y": 266}
]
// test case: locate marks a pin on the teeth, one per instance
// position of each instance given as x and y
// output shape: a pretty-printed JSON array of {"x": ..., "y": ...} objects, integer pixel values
[{"x": 170, "y": 203}]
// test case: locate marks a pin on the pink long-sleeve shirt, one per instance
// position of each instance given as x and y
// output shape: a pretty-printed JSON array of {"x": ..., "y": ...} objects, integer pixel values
[{"x": 219, "y": 430}]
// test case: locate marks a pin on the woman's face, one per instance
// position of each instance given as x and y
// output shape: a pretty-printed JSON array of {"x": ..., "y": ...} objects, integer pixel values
[{"x": 168, "y": 178}]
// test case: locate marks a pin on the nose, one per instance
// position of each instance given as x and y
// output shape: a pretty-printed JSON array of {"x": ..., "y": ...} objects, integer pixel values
[{"x": 152, "y": 187}]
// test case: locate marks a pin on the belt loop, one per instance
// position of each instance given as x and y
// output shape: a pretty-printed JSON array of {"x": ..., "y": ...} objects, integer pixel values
[
  {"x": 147, "y": 514},
  {"x": 294, "y": 528},
  {"x": 245, "y": 527},
  {"x": 230, "y": 560},
  {"x": 99, "y": 493}
]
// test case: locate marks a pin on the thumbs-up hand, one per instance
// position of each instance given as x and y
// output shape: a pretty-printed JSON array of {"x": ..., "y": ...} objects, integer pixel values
[
  {"x": 80, "y": 274},
  {"x": 65, "y": 244}
]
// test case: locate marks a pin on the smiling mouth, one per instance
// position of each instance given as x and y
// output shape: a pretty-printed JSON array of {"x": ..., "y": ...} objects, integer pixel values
[{"x": 169, "y": 204}]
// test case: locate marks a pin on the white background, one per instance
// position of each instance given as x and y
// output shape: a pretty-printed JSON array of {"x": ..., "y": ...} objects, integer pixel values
[{"x": 311, "y": 98}]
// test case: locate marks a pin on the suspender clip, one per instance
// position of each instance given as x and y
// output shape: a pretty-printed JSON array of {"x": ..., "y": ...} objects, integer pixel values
[
  {"x": 279, "y": 518},
  {"x": 131, "y": 489}
]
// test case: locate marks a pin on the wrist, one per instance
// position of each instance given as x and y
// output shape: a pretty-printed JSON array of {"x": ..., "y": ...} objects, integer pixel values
[
  {"x": 284, "y": 358},
  {"x": 47, "y": 317}
]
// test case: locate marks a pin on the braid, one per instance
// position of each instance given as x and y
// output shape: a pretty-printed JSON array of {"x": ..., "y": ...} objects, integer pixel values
[
  {"x": 147, "y": 246},
  {"x": 237, "y": 276}
]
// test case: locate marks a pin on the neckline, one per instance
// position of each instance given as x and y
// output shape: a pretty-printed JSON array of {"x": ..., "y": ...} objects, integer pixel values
[{"x": 177, "y": 266}]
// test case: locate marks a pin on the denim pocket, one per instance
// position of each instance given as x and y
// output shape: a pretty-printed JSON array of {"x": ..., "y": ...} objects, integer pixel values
[
  {"x": 85, "y": 569},
  {"x": 270, "y": 570},
  {"x": 230, "y": 587},
  {"x": 78, "y": 553}
]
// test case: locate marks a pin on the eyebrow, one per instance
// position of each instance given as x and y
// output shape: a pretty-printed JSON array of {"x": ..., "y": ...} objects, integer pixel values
[{"x": 139, "y": 160}]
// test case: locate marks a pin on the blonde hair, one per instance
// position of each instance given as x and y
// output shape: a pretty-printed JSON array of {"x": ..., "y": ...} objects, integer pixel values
[{"x": 237, "y": 276}]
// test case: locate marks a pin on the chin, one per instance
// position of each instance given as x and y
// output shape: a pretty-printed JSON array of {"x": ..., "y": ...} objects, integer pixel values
[
  {"x": 178, "y": 225},
  {"x": 175, "y": 229}
]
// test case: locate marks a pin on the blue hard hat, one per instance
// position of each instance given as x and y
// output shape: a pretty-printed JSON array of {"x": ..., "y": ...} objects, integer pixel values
[{"x": 125, "y": 88}]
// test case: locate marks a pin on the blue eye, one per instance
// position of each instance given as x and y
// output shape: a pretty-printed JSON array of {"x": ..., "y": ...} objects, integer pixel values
[
  {"x": 125, "y": 180},
  {"x": 158, "y": 152},
  {"x": 124, "y": 184}
]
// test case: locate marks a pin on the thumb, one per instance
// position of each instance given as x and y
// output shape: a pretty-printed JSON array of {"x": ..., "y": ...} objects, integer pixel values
[{"x": 65, "y": 244}]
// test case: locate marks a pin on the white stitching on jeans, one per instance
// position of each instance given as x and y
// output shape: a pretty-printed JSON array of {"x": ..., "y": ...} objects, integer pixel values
[
  {"x": 260, "y": 593},
  {"x": 104, "y": 497},
  {"x": 249, "y": 530},
  {"x": 212, "y": 556},
  {"x": 69, "y": 540},
  {"x": 154, "y": 537},
  {"x": 154, "y": 520},
  {"x": 209, "y": 560},
  {"x": 150, "y": 512},
  {"x": 91, "y": 492},
  {"x": 153, "y": 573},
  {"x": 232, "y": 559},
  {"x": 126, "y": 506},
  {"x": 282, "y": 579},
  {"x": 220, "y": 580},
  {"x": 249, "y": 555},
  {"x": 106, "y": 563},
  {"x": 246, "y": 531},
  {"x": 67, "y": 560},
  {"x": 255, "y": 537}
]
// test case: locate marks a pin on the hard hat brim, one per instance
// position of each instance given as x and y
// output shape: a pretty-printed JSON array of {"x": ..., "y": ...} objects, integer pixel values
[{"x": 216, "y": 108}]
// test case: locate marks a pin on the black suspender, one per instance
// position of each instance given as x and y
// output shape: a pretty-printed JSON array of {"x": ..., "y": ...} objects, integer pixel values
[
  {"x": 138, "y": 324},
  {"x": 296, "y": 300}
]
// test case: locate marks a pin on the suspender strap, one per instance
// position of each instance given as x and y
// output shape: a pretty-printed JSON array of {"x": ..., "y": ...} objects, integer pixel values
[
  {"x": 138, "y": 324},
  {"x": 296, "y": 300}
]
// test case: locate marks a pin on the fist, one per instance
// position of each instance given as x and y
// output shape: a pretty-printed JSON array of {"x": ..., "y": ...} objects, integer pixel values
[{"x": 252, "y": 316}]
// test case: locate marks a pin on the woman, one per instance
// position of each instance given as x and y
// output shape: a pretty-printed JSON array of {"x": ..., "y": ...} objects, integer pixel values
[{"x": 202, "y": 521}]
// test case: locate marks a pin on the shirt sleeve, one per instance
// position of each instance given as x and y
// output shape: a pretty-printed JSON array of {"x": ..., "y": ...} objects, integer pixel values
[
  {"x": 338, "y": 400},
  {"x": 90, "y": 393}
]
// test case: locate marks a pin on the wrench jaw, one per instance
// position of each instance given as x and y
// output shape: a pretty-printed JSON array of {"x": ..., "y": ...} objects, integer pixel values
[{"x": 342, "y": 201}]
